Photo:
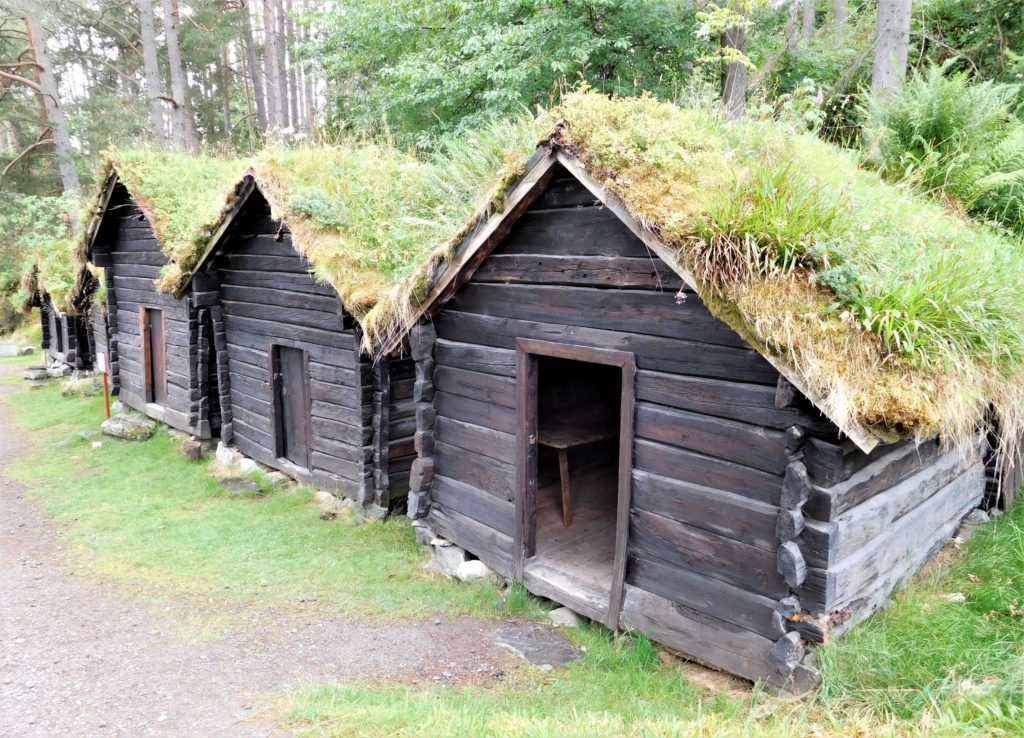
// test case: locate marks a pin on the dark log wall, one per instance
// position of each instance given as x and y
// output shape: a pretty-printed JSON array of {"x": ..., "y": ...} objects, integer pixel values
[
  {"x": 98, "y": 319},
  {"x": 401, "y": 425},
  {"x": 719, "y": 462},
  {"x": 127, "y": 247},
  {"x": 268, "y": 297}
]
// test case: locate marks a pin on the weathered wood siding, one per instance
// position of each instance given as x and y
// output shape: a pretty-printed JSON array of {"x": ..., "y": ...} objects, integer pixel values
[
  {"x": 866, "y": 535},
  {"x": 74, "y": 345},
  {"x": 716, "y": 459},
  {"x": 267, "y": 297},
  {"x": 128, "y": 249}
]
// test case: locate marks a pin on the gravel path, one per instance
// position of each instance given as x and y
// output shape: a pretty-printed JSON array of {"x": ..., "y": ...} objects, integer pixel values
[{"x": 81, "y": 657}]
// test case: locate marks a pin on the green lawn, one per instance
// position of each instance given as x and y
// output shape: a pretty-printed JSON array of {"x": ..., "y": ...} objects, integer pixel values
[{"x": 945, "y": 659}]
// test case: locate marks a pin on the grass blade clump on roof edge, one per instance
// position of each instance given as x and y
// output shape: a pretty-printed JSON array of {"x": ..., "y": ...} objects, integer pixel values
[{"x": 904, "y": 319}]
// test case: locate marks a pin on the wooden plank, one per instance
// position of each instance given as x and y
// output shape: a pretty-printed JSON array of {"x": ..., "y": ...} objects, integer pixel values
[
  {"x": 593, "y": 231},
  {"x": 282, "y": 297},
  {"x": 678, "y": 544},
  {"x": 582, "y": 271},
  {"x": 887, "y": 469},
  {"x": 748, "y": 403},
  {"x": 477, "y": 504},
  {"x": 891, "y": 554},
  {"x": 488, "y": 388},
  {"x": 652, "y": 352},
  {"x": 707, "y": 471},
  {"x": 750, "y": 445},
  {"x": 496, "y": 417},
  {"x": 240, "y": 341},
  {"x": 565, "y": 192},
  {"x": 639, "y": 311},
  {"x": 489, "y": 475},
  {"x": 301, "y": 318},
  {"x": 341, "y": 432},
  {"x": 826, "y": 543},
  {"x": 250, "y": 262},
  {"x": 236, "y": 324},
  {"x": 475, "y": 358},
  {"x": 710, "y": 596},
  {"x": 709, "y": 640},
  {"x": 492, "y": 547},
  {"x": 716, "y": 511},
  {"x": 291, "y": 281},
  {"x": 476, "y": 439}
]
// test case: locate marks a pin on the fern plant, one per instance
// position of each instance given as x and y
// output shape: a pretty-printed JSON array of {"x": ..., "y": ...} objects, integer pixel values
[{"x": 946, "y": 134}]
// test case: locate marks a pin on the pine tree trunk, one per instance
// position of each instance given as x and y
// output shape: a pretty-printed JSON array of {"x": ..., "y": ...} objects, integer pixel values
[
  {"x": 892, "y": 38},
  {"x": 293, "y": 77},
  {"x": 185, "y": 136},
  {"x": 253, "y": 67},
  {"x": 273, "y": 73},
  {"x": 225, "y": 90},
  {"x": 309, "y": 114},
  {"x": 151, "y": 67},
  {"x": 809, "y": 18},
  {"x": 734, "y": 76},
  {"x": 43, "y": 74},
  {"x": 842, "y": 12},
  {"x": 282, "y": 64}
]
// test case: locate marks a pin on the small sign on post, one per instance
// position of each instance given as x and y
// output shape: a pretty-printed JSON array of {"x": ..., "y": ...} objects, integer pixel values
[{"x": 101, "y": 367}]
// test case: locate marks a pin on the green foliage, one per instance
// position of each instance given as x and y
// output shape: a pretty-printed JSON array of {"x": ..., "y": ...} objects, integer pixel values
[
  {"x": 942, "y": 132},
  {"x": 427, "y": 68},
  {"x": 983, "y": 37}
]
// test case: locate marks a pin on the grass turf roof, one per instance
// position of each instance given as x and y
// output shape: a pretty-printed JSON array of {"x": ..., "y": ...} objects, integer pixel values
[{"x": 904, "y": 319}]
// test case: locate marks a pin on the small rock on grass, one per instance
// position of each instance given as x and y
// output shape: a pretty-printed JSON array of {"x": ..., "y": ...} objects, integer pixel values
[
  {"x": 473, "y": 571},
  {"x": 563, "y": 617},
  {"x": 35, "y": 373},
  {"x": 226, "y": 455},
  {"x": 128, "y": 427},
  {"x": 191, "y": 450},
  {"x": 976, "y": 517},
  {"x": 241, "y": 486}
]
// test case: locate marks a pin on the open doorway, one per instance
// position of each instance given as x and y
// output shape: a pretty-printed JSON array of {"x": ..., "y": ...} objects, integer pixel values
[{"x": 577, "y": 408}]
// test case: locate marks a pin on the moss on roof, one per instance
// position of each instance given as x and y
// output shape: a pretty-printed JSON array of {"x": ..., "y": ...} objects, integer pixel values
[
  {"x": 904, "y": 319},
  {"x": 54, "y": 270}
]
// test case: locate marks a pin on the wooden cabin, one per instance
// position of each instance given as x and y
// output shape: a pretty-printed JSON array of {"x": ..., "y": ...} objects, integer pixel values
[
  {"x": 66, "y": 330},
  {"x": 281, "y": 367},
  {"x": 150, "y": 336},
  {"x": 587, "y": 427}
]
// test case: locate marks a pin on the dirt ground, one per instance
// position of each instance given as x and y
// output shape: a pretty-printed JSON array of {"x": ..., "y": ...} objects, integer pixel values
[{"x": 81, "y": 657}]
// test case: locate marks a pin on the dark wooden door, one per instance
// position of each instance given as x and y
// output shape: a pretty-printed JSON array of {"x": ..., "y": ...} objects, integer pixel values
[
  {"x": 154, "y": 349},
  {"x": 291, "y": 385}
]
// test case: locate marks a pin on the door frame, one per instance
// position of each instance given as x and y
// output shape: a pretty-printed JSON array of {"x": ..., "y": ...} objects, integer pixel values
[
  {"x": 527, "y": 353},
  {"x": 146, "y": 332},
  {"x": 277, "y": 409}
]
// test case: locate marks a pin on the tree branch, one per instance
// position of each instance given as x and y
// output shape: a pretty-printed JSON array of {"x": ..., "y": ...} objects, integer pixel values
[
  {"x": 28, "y": 150},
  {"x": 23, "y": 80}
]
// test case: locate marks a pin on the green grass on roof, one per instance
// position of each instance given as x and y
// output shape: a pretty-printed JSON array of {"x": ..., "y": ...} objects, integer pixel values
[{"x": 905, "y": 318}]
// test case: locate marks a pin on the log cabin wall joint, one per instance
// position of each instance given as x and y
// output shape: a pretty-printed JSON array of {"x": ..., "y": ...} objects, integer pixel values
[
  {"x": 422, "y": 339},
  {"x": 381, "y": 428}
]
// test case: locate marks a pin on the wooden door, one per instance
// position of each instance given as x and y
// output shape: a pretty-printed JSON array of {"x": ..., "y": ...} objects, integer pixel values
[
  {"x": 527, "y": 412},
  {"x": 291, "y": 400},
  {"x": 154, "y": 355}
]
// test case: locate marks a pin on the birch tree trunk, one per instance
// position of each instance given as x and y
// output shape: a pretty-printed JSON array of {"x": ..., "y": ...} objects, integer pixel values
[
  {"x": 734, "y": 75},
  {"x": 273, "y": 73},
  {"x": 47, "y": 84},
  {"x": 151, "y": 67},
  {"x": 892, "y": 38},
  {"x": 253, "y": 66},
  {"x": 809, "y": 18},
  {"x": 225, "y": 89},
  {"x": 841, "y": 10},
  {"x": 184, "y": 125}
]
